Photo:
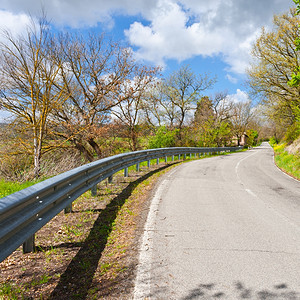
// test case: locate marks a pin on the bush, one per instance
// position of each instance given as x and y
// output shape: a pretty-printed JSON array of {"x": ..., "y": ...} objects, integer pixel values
[
  {"x": 164, "y": 138},
  {"x": 273, "y": 141},
  {"x": 292, "y": 133}
]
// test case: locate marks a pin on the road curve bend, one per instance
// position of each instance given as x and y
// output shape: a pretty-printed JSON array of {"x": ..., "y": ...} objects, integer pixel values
[{"x": 226, "y": 227}]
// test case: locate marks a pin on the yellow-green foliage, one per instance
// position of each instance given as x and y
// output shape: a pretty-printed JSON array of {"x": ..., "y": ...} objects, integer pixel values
[
  {"x": 279, "y": 148},
  {"x": 288, "y": 162}
]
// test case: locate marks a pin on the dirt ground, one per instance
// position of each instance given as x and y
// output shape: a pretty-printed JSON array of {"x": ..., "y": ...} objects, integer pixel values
[{"x": 90, "y": 253}]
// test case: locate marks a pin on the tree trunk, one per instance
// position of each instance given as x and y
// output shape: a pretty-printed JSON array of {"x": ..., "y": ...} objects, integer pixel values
[
  {"x": 85, "y": 152},
  {"x": 37, "y": 157},
  {"x": 133, "y": 136},
  {"x": 96, "y": 147}
]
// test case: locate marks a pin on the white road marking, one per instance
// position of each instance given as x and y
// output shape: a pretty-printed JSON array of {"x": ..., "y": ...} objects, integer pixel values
[
  {"x": 251, "y": 193},
  {"x": 143, "y": 276}
]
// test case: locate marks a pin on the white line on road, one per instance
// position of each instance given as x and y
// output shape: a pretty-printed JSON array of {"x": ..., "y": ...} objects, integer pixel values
[{"x": 142, "y": 281}]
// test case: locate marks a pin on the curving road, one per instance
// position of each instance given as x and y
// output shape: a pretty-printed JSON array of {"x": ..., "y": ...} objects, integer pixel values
[{"x": 226, "y": 227}]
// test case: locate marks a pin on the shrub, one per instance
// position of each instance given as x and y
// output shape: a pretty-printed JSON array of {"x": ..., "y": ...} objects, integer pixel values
[{"x": 164, "y": 138}]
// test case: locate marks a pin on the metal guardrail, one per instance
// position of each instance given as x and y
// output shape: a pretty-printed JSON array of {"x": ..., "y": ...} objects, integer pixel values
[{"x": 23, "y": 213}]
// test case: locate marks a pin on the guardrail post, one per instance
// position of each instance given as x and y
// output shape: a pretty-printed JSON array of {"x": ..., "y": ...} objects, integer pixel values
[
  {"x": 110, "y": 179},
  {"x": 138, "y": 167},
  {"x": 29, "y": 245},
  {"x": 184, "y": 156},
  {"x": 157, "y": 161},
  {"x": 126, "y": 172},
  {"x": 148, "y": 163},
  {"x": 166, "y": 159},
  {"x": 68, "y": 209},
  {"x": 94, "y": 190},
  {"x": 172, "y": 157},
  {"x": 178, "y": 156}
]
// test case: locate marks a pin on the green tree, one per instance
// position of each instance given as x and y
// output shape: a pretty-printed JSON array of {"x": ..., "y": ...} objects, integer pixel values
[
  {"x": 212, "y": 124},
  {"x": 295, "y": 77},
  {"x": 275, "y": 60}
]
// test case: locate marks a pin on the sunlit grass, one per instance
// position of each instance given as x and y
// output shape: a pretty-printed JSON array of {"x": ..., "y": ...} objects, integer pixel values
[
  {"x": 9, "y": 187},
  {"x": 287, "y": 162}
]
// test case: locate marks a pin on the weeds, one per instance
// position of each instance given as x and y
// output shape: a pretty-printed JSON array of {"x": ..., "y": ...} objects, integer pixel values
[
  {"x": 10, "y": 291},
  {"x": 9, "y": 187},
  {"x": 287, "y": 162}
]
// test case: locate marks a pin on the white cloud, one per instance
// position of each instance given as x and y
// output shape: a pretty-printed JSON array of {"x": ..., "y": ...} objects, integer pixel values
[
  {"x": 176, "y": 29},
  {"x": 220, "y": 27},
  {"x": 78, "y": 13},
  {"x": 15, "y": 23},
  {"x": 232, "y": 79},
  {"x": 239, "y": 96}
]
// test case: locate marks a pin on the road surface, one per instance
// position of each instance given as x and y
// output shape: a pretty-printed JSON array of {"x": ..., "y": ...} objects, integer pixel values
[{"x": 225, "y": 227}]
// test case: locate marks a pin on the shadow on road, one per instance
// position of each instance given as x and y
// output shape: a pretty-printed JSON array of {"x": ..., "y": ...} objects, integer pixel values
[{"x": 240, "y": 291}]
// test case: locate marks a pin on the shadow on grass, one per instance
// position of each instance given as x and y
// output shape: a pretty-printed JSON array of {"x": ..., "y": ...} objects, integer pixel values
[{"x": 75, "y": 282}]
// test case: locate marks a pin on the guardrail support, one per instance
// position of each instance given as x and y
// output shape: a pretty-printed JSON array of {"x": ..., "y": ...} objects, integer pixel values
[
  {"x": 166, "y": 159},
  {"x": 157, "y": 161},
  {"x": 110, "y": 179},
  {"x": 29, "y": 245},
  {"x": 68, "y": 209},
  {"x": 148, "y": 163},
  {"x": 126, "y": 172},
  {"x": 94, "y": 190},
  {"x": 138, "y": 167},
  {"x": 172, "y": 157}
]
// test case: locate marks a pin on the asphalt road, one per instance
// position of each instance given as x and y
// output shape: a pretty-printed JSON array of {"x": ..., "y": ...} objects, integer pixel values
[{"x": 225, "y": 227}]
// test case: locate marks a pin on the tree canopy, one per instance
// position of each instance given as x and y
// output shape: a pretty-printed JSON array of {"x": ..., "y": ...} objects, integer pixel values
[{"x": 275, "y": 59}]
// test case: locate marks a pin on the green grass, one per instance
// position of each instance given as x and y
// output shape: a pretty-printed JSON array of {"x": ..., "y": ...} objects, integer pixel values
[
  {"x": 10, "y": 291},
  {"x": 9, "y": 187},
  {"x": 287, "y": 162}
]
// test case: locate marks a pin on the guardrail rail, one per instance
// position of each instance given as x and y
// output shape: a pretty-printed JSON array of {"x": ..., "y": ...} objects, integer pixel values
[{"x": 23, "y": 213}]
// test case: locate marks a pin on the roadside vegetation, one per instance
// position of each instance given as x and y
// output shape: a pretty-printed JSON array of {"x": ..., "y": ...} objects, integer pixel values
[
  {"x": 76, "y": 99},
  {"x": 274, "y": 79},
  {"x": 289, "y": 163}
]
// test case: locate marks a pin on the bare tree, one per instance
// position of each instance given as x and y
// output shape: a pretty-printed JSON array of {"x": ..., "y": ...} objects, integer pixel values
[
  {"x": 134, "y": 92},
  {"x": 157, "y": 107},
  {"x": 241, "y": 118},
  {"x": 29, "y": 85},
  {"x": 94, "y": 71}
]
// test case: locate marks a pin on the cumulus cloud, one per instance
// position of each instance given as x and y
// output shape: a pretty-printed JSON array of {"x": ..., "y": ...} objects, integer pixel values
[
  {"x": 239, "y": 96},
  {"x": 78, "y": 13},
  {"x": 173, "y": 29},
  {"x": 15, "y": 23},
  {"x": 181, "y": 30}
]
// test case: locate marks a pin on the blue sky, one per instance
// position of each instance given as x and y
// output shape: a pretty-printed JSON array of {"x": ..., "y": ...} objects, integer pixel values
[{"x": 212, "y": 36}]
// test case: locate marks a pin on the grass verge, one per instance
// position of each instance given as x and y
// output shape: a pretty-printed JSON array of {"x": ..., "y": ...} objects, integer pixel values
[
  {"x": 288, "y": 163},
  {"x": 9, "y": 187}
]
